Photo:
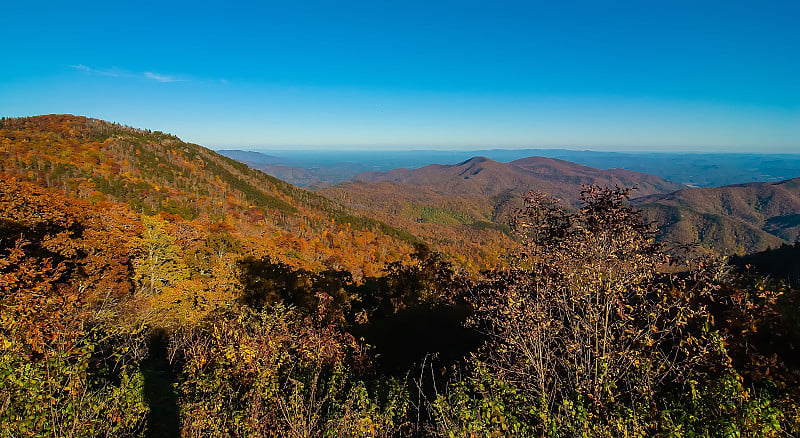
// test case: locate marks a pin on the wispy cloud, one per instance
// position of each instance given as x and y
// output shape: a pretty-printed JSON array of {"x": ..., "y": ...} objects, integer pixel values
[
  {"x": 161, "y": 78},
  {"x": 118, "y": 73},
  {"x": 112, "y": 72}
]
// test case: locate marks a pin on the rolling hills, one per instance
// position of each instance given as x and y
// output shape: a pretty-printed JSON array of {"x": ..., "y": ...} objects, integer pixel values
[
  {"x": 741, "y": 218},
  {"x": 735, "y": 219},
  {"x": 320, "y": 168},
  {"x": 485, "y": 177},
  {"x": 472, "y": 202},
  {"x": 447, "y": 202},
  {"x": 463, "y": 208}
]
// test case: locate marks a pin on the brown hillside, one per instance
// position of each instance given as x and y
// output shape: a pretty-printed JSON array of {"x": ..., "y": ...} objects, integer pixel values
[
  {"x": 730, "y": 219},
  {"x": 485, "y": 177}
]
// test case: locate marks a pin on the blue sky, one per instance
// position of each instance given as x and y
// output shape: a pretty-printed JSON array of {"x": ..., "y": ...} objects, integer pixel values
[{"x": 604, "y": 75}]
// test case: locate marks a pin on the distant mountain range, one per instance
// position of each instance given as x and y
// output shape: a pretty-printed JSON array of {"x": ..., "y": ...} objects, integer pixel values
[
  {"x": 327, "y": 167},
  {"x": 465, "y": 201},
  {"x": 251, "y": 157},
  {"x": 300, "y": 171},
  {"x": 732, "y": 219},
  {"x": 482, "y": 176}
]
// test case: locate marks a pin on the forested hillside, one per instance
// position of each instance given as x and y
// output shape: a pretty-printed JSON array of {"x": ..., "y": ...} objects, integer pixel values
[
  {"x": 150, "y": 287},
  {"x": 470, "y": 204},
  {"x": 156, "y": 172},
  {"x": 458, "y": 224},
  {"x": 736, "y": 219},
  {"x": 153, "y": 172}
]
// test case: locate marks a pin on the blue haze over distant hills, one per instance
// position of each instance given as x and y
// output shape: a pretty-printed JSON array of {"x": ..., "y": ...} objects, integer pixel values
[{"x": 320, "y": 168}]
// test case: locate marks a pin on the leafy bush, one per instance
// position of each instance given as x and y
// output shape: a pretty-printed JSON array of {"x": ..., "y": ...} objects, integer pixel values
[
  {"x": 53, "y": 380},
  {"x": 273, "y": 372},
  {"x": 589, "y": 337}
]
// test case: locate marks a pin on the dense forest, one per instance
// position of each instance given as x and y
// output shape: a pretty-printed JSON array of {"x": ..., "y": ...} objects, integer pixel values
[{"x": 150, "y": 287}]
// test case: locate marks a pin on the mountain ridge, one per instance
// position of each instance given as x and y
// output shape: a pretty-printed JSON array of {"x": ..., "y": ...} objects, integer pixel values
[
  {"x": 694, "y": 169},
  {"x": 481, "y": 175},
  {"x": 747, "y": 217},
  {"x": 732, "y": 219},
  {"x": 154, "y": 173},
  {"x": 473, "y": 201}
]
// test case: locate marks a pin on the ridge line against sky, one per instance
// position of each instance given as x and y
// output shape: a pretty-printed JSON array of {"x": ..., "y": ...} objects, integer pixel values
[{"x": 709, "y": 76}]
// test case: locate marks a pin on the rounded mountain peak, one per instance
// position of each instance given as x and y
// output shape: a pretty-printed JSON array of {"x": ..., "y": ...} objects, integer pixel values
[{"x": 475, "y": 160}]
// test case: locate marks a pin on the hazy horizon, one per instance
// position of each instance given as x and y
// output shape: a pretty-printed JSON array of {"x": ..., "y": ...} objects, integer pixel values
[{"x": 333, "y": 149}]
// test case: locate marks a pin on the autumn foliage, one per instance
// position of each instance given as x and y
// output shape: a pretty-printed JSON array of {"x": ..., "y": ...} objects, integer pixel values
[
  {"x": 590, "y": 336},
  {"x": 151, "y": 287}
]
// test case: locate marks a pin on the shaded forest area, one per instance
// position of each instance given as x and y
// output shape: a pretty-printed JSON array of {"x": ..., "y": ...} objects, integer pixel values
[{"x": 248, "y": 320}]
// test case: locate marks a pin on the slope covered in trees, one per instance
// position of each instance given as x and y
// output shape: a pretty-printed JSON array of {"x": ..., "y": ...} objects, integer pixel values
[
  {"x": 153, "y": 172},
  {"x": 740, "y": 219},
  {"x": 457, "y": 224}
]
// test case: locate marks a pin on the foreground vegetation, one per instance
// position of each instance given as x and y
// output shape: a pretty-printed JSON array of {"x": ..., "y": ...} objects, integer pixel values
[{"x": 584, "y": 335}]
